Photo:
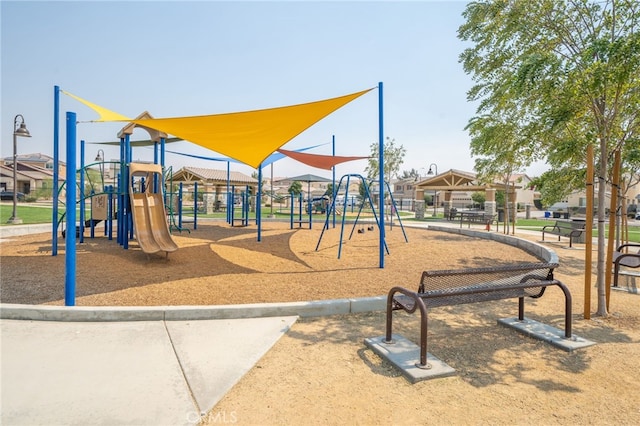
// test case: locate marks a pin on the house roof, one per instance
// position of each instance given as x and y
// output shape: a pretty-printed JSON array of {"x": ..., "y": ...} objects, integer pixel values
[
  {"x": 26, "y": 167},
  {"x": 35, "y": 173}
]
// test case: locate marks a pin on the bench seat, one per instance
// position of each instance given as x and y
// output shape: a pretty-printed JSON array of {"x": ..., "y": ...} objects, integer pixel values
[
  {"x": 621, "y": 257},
  {"x": 561, "y": 228},
  {"x": 455, "y": 287}
]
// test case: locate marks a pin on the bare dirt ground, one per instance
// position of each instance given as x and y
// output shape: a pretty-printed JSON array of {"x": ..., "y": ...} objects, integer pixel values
[{"x": 320, "y": 372}]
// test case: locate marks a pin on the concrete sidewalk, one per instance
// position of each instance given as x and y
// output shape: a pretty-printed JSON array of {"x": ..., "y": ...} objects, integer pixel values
[{"x": 142, "y": 372}]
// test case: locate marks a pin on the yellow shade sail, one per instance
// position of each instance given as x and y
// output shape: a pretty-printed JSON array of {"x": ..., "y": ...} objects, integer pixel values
[
  {"x": 251, "y": 136},
  {"x": 105, "y": 114}
]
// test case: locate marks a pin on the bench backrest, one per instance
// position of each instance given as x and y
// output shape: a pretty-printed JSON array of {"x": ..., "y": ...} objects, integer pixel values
[{"x": 480, "y": 284}]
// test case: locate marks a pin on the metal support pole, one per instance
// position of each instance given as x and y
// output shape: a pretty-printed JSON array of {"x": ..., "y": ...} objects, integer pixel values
[
  {"x": 381, "y": 170},
  {"x": 56, "y": 161},
  {"x": 70, "y": 237}
]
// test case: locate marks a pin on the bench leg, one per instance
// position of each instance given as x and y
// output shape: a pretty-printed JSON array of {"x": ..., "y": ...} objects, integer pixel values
[
  {"x": 423, "y": 337},
  {"x": 389, "y": 327},
  {"x": 521, "y": 309},
  {"x": 567, "y": 310},
  {"x": 419, "y": 304},
  {"x": 616, "y": 269}
]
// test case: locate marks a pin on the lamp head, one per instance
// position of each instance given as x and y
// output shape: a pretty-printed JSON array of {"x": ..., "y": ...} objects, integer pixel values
[{"x": 22, "y": 131}]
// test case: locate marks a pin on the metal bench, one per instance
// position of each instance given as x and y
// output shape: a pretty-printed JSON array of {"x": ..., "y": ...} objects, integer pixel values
[
  {"x": 622, "y": 258},
  {"x": 476, "y": 217},
  {"x": 455, "y": 287},
  {"x": 561, "y": 228}
]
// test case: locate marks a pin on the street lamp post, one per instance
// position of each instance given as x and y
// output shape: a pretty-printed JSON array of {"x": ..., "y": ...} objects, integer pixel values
[
  {"x": 430, "y": 172},
  {"x": 17, "y": 131}
]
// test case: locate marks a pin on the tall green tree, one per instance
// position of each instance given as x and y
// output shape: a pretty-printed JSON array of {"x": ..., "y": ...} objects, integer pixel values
[
  {"x": 329, "y": 190},
  {"x": 393, "y": 158},
  {"x": 295, "y": 188},
  {"x": 564, "y": 74},
  {"x": 410, "y": 174},
  {"x": 500, "y": 149}
]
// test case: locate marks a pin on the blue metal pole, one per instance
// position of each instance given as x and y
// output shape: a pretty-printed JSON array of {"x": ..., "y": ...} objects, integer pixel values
[
  {"x": 155, "y": 161},
  {"x": 56, "y": 162},
  {"x": 82, "y": 199},
  {"x": 245, "y": 206},
  {"x": 162, "y": 143},
  {"x": 195, "y": 205},
  {"x": 93, "y": 228},
  {"x": 231, "y": 204},
  {"x": 70, "y": 238},
  {"x": 344, "y": 214},
  {"x": 230, "y": 199},
  {"x": 291, "y": 208},
  {"x": 162, "y": 152},
  {"x": 110, "y": 214},
  {"x": 309, "y": 203},
  {"x": 333, "y": 187},
  {"x": 259, "y": 204},
  {"x": 128, "y": 226},
  {"x": 300, "y": 201},
  {"x": 381, "y": 170},
  {"x": 121, "y": 182},
  {"x": 180, "y": 207}
]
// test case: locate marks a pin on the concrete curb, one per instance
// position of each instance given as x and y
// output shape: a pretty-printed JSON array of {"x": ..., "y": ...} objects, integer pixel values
[
  {"x": 257, "y": 310},
  {"x": 188, "y": 313},
  {"x": 535, "y": 249}
]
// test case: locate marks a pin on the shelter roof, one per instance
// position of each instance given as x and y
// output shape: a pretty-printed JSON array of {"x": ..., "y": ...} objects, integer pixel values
[
  {"x": 200, "y": 174},
  {"x": 307, "y": 178},
  {"x": 454, "y": 180}
]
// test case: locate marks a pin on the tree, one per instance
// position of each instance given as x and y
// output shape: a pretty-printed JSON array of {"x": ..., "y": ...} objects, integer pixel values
[
  {"x": 393, "y": 158},
  {"x": 295, "y": 188},
  {"x": 501, "y": 149},
  {"x": 329, "y": 191},
  {"x": 564, "y": 74},
  {"x": 479, "y": 197},
  {"x": 410, "y": 174}
]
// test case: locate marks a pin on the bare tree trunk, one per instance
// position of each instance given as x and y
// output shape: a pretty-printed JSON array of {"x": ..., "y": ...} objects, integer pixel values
[
  {"x": 601, "y": 271},
  {"x": 507, "y": 226}
]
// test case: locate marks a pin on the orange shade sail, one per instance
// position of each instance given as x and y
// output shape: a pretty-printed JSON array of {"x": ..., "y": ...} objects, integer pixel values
[{"x": 316, "y": 160}]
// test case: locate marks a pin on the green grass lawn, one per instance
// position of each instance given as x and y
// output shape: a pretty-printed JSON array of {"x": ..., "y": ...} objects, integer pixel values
[
  {"x": 28, "y": 214},
  {"x": 42, "y": 214},
  {"x": 538, "y": 224}
]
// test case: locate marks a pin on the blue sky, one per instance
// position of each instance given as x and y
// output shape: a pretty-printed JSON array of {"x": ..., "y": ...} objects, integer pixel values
[{"x": 209, "y": 57}]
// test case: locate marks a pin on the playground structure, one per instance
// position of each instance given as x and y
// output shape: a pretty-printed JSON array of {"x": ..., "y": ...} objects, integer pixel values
[
  {"x": 378, "y": 216},
  {"x": 249, "y": 137}
]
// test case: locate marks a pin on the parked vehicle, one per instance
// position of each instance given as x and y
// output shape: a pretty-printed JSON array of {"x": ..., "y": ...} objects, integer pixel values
[
  {"x": 319, "y": 204},
  {"x": 8, "y": 195}
]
